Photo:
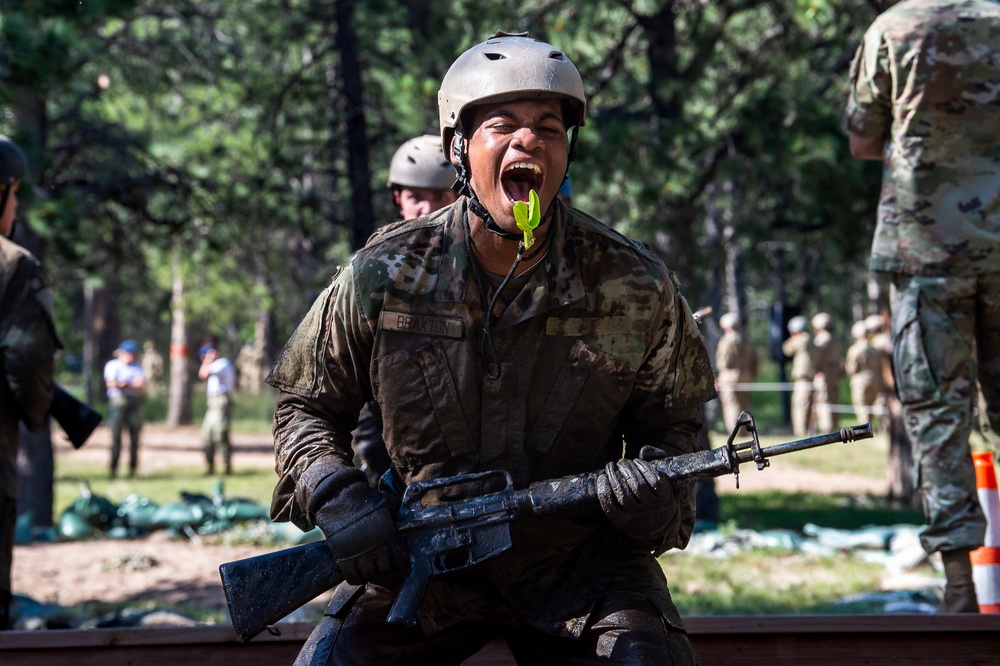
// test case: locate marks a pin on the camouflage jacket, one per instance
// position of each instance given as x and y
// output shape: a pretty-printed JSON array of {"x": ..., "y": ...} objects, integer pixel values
[
  {"x": 735, "y": 358},
  {"x": 27, "y": 344},
  {"x": 804, "y": 355},
  {"x": 927, "y": 77},
  {"x": 829, "y": 360},
  {"x": 597, "y": 349},
  {"x": 864, "y": 364}
]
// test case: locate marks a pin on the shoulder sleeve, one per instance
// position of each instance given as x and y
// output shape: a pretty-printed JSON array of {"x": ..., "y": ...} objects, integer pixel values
[
  {"x": 299, "y": 366},
  {"x": 28, "y": 343},
  {"x": 869, "y": 103}
]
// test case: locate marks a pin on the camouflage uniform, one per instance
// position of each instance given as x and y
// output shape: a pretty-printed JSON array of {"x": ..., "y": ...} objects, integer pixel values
[
  {"x": 927, "y": 77},
  {"x": 27, "y": 344},
  {"x": 736, "y": 360},
  {"x": 597, "y": 347},
  {"x": 802, "y": 351},
  {"x": 827, "y": 392},
  {"x": 864, "y": 366}
]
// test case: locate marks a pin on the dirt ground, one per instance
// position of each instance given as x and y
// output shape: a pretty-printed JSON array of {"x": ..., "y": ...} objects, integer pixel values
[
  {"x": 183, "y": 571},
  {"x": 155, "y": 567}
]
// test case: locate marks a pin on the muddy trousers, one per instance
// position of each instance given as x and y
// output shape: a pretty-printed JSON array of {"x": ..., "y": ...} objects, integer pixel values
[{"x": 625, "y": 629}]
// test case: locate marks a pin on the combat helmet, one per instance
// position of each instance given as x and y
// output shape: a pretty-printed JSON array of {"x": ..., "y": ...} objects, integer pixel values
[
  {"x": 13, "y": 165},
  {"x": 418, "y": 163},
  {"x": 508, "y": 67}
]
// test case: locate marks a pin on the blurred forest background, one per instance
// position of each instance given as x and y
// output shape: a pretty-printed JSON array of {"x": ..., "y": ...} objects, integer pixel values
[{"x": 202, "y": 166}]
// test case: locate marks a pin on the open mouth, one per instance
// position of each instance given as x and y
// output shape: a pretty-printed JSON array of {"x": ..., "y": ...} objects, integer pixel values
[{"x": 519, "y": 178}]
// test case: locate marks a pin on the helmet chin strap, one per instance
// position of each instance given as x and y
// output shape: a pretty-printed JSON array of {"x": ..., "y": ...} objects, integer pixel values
[{"x": 463, "y": 188}]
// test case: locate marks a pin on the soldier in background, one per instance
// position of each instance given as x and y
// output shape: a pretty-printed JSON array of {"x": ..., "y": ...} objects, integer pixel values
[
  {"x": 864, "y": 367},
  {"x": 420, "y": 179},
  {"x": 152, "y": 367},
  {"x": 924, "y": 101},
  {"x": 800, "y": 348},
  {"x": 829, "y": 370},
  {"x": 126, "y": 386},
  {"x": 28, "y": 343},
  {"x": 219, "y": 376},
  {"x": 737, "y": 363}
]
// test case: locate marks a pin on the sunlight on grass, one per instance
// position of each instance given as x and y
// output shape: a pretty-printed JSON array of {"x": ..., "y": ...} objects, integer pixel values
[
  {"x": 162, "y": 486},
  {"x": 766, "y": 582},
  {"x": 866, "y": 458}
]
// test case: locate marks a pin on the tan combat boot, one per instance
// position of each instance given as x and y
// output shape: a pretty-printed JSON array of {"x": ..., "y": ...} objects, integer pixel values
[{"x": 959, "y": 589}]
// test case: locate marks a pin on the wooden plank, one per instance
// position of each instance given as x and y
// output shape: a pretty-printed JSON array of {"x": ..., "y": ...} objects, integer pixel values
[{"x": 915, "y": 640}]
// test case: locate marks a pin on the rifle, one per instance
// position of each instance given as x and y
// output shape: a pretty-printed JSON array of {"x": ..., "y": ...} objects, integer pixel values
[
  {"x": 444, "y": 534},
  {"x": 76, "y": 418}
]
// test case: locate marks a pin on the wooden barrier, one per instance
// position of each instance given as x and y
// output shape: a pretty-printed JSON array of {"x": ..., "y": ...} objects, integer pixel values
[{"x": 775, "y": 640}]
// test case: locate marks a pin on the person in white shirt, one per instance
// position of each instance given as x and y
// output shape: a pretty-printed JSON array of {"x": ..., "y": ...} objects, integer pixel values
[
  {"x": 220, "y": 377},
  {"x": 126, "y": 384}
]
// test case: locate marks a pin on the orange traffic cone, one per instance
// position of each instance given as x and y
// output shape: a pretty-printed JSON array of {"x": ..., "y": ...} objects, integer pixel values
[{"x": 986, "y": 560}]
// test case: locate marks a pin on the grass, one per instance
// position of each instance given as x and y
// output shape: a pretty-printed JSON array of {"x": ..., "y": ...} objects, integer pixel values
[
  {"x": 163, "y": 486},
  {"x": 766, "y": 582}
]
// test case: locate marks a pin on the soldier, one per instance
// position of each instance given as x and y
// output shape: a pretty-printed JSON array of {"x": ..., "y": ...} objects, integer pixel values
[
  {"x": 864, "y": 366},
  {"x": 485, "y": 354},
  {"x": 420, "y": 178},
  {"x": 152, "y": 367},
  {"x": 737, "y": 363},
  {"x": 126, "y": 385},
  {"x": 27, "y": 345},
  {"x": 219, "y": 376},
  {"x": 829, "y": 370},
  {"x": 800, "y": 348},
  {"x": 924, "y": 100}
]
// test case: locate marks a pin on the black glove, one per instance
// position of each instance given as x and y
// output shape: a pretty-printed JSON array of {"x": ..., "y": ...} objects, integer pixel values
[
  {"x": 636, "y": 499},
  {"x": 362, "y": 534}
]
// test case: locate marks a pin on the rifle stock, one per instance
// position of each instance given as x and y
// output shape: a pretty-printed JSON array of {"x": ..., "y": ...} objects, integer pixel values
[
  {"x": 262, "y": 590},
  {"x": 77, "y": 419}
]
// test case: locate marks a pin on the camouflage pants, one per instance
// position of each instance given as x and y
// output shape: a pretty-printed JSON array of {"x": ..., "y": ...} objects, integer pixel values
[
  {"x": 803, "y": 396},
  {"x": 125, "y": 412},
  {"x": 215, "y": 428},
  {"x": 733, "y": 403},
  {"x": 865, "y": 395},
  {"x": 823, "y": 398},
  {"x": 942, "y": 329}
]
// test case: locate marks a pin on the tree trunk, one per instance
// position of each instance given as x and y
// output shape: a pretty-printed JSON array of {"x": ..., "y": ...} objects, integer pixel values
[
  {"x": 179, "y": 408},
  {"x": 352, "y": 89},
  {"x": 36, "y": 474}
]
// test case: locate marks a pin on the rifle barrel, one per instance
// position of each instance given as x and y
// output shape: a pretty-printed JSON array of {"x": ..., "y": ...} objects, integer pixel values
[{"x": 849, "y": 434}]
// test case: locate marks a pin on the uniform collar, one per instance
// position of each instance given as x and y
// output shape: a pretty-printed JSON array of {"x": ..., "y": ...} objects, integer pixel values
[{"x": 556, "y": 282}]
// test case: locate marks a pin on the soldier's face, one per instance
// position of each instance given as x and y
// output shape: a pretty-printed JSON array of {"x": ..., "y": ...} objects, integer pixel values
[
  {"x": 419, "y": 201},
  {"x": 9, "y": 211},
  {"x": 514, "y": 148}
]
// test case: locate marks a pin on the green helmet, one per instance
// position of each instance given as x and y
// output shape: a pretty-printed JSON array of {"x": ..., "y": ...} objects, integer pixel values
[
  {"x": 418, "y": 163},
  {"x": 13, "y": 165},
  {"x": 508, "y": 67}
]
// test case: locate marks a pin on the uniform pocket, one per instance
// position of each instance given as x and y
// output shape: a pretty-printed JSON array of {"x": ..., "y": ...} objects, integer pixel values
[
  {"x": 911, "y": 367},
  {"x": 581, "y": 410},
  {"x": 421, "y": 410}
]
